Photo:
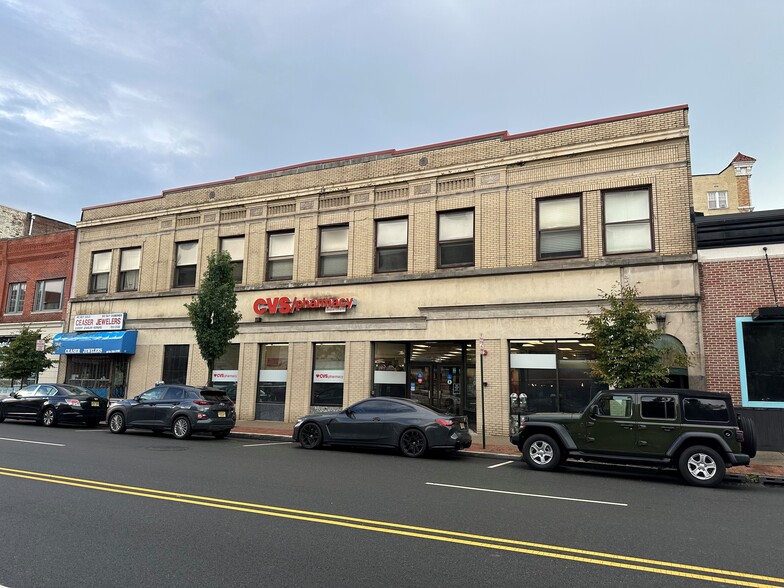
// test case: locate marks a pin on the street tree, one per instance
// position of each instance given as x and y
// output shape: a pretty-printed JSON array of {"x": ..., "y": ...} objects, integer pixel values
[
  {"x": 19, "y": 360},
  {"x": 213, "y": 310},
  {"x": 625, "y": 345}
]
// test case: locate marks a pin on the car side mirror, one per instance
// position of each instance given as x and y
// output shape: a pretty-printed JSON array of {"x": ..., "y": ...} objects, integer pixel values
[
  {"x": 595, "y": 410},
  {"x": 349, "y": 412}
]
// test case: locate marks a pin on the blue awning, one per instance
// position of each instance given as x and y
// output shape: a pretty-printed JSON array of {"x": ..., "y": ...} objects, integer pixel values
[{"x": 92, "y": 343}]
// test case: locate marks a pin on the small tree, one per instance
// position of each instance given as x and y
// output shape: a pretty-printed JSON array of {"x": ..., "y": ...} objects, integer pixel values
[
  {"x": 213, "y": 311},
  {"x": 19, "y": 359},
  {"x": 626, "y": 355}
]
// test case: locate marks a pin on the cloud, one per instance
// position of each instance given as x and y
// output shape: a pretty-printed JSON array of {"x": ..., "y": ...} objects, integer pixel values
[{"x": 40, "y": 107}]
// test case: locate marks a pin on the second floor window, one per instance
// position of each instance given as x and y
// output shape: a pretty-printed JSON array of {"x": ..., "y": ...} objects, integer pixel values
[
  {"x": 16, "y": 296},
  {"x": 392, "y": 245},
  {"x": 280, "y": 256},
  {"x": 235, "y": 246},
  {"x": 560, "y": 227},
  {"x": 99, "y": 274},
  {"x": 185, "y": 270},
  {"x": 333, "y": 251},
  {"x": 456, "y": 238},
  {"x": 49, "y": 295},
  {"x": 130, "y": 260},
  {"x": 627, "y": 221},
  {"x": 717, "y": 200}
]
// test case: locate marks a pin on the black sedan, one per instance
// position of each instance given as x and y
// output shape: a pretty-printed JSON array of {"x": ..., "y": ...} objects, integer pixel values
[
  {"x": 49, "y": 404},
  {"x": 410, "y": 426}
]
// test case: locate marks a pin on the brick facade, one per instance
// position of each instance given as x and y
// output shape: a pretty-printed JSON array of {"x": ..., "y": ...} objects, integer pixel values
[
  {"x": 16, "y": 223},
  {"x": 28, "y": 261},
  {"x": 730, "y": 289}
]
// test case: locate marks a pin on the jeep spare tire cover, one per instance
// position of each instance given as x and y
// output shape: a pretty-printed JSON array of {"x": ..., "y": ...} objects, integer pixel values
[{"x": 749, "y": 444}]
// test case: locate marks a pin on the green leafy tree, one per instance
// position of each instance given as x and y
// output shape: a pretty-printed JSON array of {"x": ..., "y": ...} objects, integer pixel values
[
  {"x": 626, "y": 352},
  {"x": 19, "y": 360},
  {"x": 213, "y": 310}
]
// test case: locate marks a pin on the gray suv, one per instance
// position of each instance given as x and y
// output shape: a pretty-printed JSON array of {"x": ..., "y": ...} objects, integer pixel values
[{"x": 183, "y": 410}]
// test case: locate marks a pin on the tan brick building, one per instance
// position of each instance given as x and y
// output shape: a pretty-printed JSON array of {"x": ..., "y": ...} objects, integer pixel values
[
  {"x": 727, "y": 191},
  {"x": 385, "y": 272}
]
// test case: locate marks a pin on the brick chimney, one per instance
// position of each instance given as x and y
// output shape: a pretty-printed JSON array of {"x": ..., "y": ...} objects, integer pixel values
[{"x": 742, "y": 164}]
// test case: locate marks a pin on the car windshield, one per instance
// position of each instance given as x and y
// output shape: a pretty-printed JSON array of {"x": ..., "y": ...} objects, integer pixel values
[{"x": 71, "y": 390}]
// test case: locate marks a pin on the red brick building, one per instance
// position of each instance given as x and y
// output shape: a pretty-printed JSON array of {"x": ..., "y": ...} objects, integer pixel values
[
  {"x": 35, "y": 273},
  {"x": 741, "y": 265}
]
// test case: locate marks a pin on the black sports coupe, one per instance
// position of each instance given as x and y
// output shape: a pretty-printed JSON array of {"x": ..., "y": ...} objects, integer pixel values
[{"x": 408, "y": 425}]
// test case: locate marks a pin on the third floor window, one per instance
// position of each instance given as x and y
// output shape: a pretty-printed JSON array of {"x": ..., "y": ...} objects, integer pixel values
[
  {"x": 16, "y": 296},
  {"x": 49, "y": 295},
  {"x": 280, "y": 256},
  {"x": 627, "y": 221},
  {"x": 333, "y": 251},
  {"x": 717, "y": 200},
  {"x": 456, "y": 238},
  {"x": 130, "y": 260},
  {"x": 99, "y": 273},
  {"x": 235, "y": 246},
  {"x": 560, "y": 227},
  {"x": 185, "y": 269},
  {"x": 392, "y": 245}
]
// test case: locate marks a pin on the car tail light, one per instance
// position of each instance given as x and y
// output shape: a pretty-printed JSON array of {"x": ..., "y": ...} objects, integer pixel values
[
  {"x": 739, "y": 435},
  {"x": 203, "y": 402},
  {"x": 445, "y": 422},
  {"x": 73, "y": 402}
]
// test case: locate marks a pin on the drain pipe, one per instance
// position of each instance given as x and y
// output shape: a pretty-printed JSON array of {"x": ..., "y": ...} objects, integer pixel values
[{"x": 32, "y": 220}]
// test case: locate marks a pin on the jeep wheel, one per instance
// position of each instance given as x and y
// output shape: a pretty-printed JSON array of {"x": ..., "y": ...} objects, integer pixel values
[
  {"x": 701, "y": 466},
  {"x": 540, "y": 452},
  {"x": 749, "y": 445}
]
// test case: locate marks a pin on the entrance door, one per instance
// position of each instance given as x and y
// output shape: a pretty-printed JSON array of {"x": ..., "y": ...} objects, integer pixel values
[{"x": 438, "y": 385}]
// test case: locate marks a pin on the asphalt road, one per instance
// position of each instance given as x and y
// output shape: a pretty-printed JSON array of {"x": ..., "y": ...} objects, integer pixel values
[{"x": 82, "y": 507}]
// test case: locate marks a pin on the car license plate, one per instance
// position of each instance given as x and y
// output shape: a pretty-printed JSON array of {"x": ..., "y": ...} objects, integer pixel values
[
  {"x": 221, "y": 414},
  {"x": 95, "y": 403}
]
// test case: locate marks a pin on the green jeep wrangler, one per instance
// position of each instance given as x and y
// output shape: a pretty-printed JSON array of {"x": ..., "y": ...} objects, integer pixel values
[{"x": 696, "y": 432}]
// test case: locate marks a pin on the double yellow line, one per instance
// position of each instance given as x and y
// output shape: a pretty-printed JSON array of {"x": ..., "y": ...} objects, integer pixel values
[{"x": 525, "y": 547}]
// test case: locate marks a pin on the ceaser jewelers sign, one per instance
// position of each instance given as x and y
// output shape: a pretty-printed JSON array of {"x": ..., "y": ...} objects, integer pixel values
[
  {"x": 286, "y": 305},
  {"x": 100, "y": 322}
]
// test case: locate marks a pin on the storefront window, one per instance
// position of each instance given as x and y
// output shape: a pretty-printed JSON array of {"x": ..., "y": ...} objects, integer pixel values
[
  {"x": 761, "y": 350},
  {"x": 389, "y": 369},
  {"x": 175, "y": 364},
  {"x": 225, "y": 372},
  {"x": 273, "y": 375},
  {"x": 552, "y": 375},
  {"x": 328, "y": 371},
  {"x": 103, "y": 374}
]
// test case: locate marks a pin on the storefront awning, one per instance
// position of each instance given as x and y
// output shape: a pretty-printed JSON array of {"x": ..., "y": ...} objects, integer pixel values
[{"x": 94, "y": 343}]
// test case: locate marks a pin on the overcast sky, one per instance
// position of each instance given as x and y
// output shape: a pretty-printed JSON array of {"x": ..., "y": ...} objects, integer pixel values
[{"x": 103, "y": 101}]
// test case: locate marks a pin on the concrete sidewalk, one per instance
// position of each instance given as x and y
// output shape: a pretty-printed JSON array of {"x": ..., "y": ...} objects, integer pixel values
[{"x": 767, "y": 467}]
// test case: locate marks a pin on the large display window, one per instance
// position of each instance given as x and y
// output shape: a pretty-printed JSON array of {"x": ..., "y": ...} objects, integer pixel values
[
  {"x": 328, "y": 373},
  {"x": 273, "y": 377}
]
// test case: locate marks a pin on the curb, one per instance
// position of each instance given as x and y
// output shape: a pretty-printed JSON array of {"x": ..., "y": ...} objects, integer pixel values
[{"x": 750, "y": 478}]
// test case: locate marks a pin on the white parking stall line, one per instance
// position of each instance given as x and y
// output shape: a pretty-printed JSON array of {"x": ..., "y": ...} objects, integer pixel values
[
  {"x": 263, "y": 444},
  {"x": 529, "y": 495},
  {"x": 33, "y": 442},
  {"x": 498, "y": 465}
]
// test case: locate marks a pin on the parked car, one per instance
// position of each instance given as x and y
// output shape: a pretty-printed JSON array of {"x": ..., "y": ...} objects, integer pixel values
[
  {"x": 412, "y": 427},
  {"x": 50, "y": 404},
  {"x": 183, "y": 410},
  {"x": 694, "y": 431}
]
